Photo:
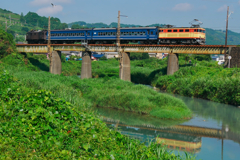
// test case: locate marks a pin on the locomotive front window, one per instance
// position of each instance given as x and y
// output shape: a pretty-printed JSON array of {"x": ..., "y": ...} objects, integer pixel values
[
  {"x": 186, "y": 30},
  {"x": 204, "y": 31},
  {"x": 169, "y": 30}
]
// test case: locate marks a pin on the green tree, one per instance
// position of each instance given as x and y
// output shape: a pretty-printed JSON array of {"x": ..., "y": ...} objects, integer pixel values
[
  {"x": 22, "y": 20},
  {"x": 145, "y": 56},
  {"x": 202, "y": 57},
  {"x": 76, "y": 26},
  {"x": 7, "y": 45},
  {"x": 12, "y": 32},
  {"x": 24, "y": 29},
  {"x": 63, "y": 26},
  {"x": 103, "y": 58},
  {"x": 139, "y": 56}
]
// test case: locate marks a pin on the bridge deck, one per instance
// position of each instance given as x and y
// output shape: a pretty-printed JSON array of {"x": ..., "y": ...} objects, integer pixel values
[{"x": 183, "y": 49}]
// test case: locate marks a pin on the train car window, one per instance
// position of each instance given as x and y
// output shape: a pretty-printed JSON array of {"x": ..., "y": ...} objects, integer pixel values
[
  {"x": 181, "y": 30},
  {"x": 114, "y": 33},
  {"x": 186, "y": 30},
  {"x": 61, "y": 34},
  {"x": 169, "y": 30},
  {"x": 174, "y": 30},
  {"x": 151, "y": 32},
  {"x": 195, "y": 30},
  {"x": 88, "y": 34}
]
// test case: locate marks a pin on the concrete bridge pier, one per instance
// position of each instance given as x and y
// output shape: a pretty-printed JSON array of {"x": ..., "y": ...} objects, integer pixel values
[
  {"x": 173, "y": 64},
  {"x": 124, "y": 71},
  {"x": 86, "y": 71},
  {"x": 55, "y": 63}
]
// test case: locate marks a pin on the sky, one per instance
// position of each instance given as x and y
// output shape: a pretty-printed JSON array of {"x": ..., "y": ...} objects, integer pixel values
[{"x": 212, "y": 13}]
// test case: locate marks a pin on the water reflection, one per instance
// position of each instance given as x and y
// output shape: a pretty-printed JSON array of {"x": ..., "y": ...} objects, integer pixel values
[{"x": 213, "y": 133}]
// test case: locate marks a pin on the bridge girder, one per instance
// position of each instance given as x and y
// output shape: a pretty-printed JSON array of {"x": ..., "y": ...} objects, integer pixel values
[{"x": 180, "y": 49}]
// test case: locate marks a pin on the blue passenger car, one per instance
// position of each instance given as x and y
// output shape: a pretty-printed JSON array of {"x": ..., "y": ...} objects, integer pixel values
[
  {"x": 145, "y": 35},
  {"x": 70, "y": 36},
  {"x": 138, "y": 34}
]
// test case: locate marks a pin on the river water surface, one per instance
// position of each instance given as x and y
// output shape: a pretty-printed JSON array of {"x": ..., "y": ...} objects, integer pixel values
[{"x": 212, "y": 134}]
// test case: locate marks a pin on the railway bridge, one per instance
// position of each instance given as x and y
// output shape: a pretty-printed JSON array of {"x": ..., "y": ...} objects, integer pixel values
[{"x": 126, "y": 49}]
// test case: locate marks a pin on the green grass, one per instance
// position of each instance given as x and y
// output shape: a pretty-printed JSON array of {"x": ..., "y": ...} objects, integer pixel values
[
  {"x": 202, "y": 79},
  {"x": 35, "y": 124},
  {"x": 105, "y": 92}
]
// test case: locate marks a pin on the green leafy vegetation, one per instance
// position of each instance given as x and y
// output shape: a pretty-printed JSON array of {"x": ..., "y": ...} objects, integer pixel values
[
  {"x": 37, "y": 124},
  {"x": 7, "y": 45}
]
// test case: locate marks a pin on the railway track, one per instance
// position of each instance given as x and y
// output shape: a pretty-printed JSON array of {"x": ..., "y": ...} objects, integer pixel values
[{"x": 132, "y": 45}]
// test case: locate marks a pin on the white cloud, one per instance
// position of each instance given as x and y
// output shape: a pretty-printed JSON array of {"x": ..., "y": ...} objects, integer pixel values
[
  {"x": 50, "y": 10},
  {"x": 223, "y": 8},
  {"x": 183, "y": 7},
  {"x": 45, "y": 2}
]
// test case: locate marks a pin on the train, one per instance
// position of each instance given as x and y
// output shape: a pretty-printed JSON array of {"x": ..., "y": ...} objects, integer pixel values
[{"x": 194, "y": 35}]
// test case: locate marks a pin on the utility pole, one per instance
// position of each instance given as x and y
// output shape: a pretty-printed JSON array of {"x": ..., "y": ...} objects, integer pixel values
[
  {"x": 226, "y": 34},
  {"x": 49, "y": 44},
  {"x": 118, "y": 45}
]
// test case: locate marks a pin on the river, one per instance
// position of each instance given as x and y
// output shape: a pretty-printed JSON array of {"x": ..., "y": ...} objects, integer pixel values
[{"x": 212, "y": 134}]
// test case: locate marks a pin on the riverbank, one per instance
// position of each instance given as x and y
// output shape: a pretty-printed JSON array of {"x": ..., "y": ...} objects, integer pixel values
[
  {"x": 37, "y": 124},
  {"x": 104, "y": 92},
  {"x": 201, "y": 79}
]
